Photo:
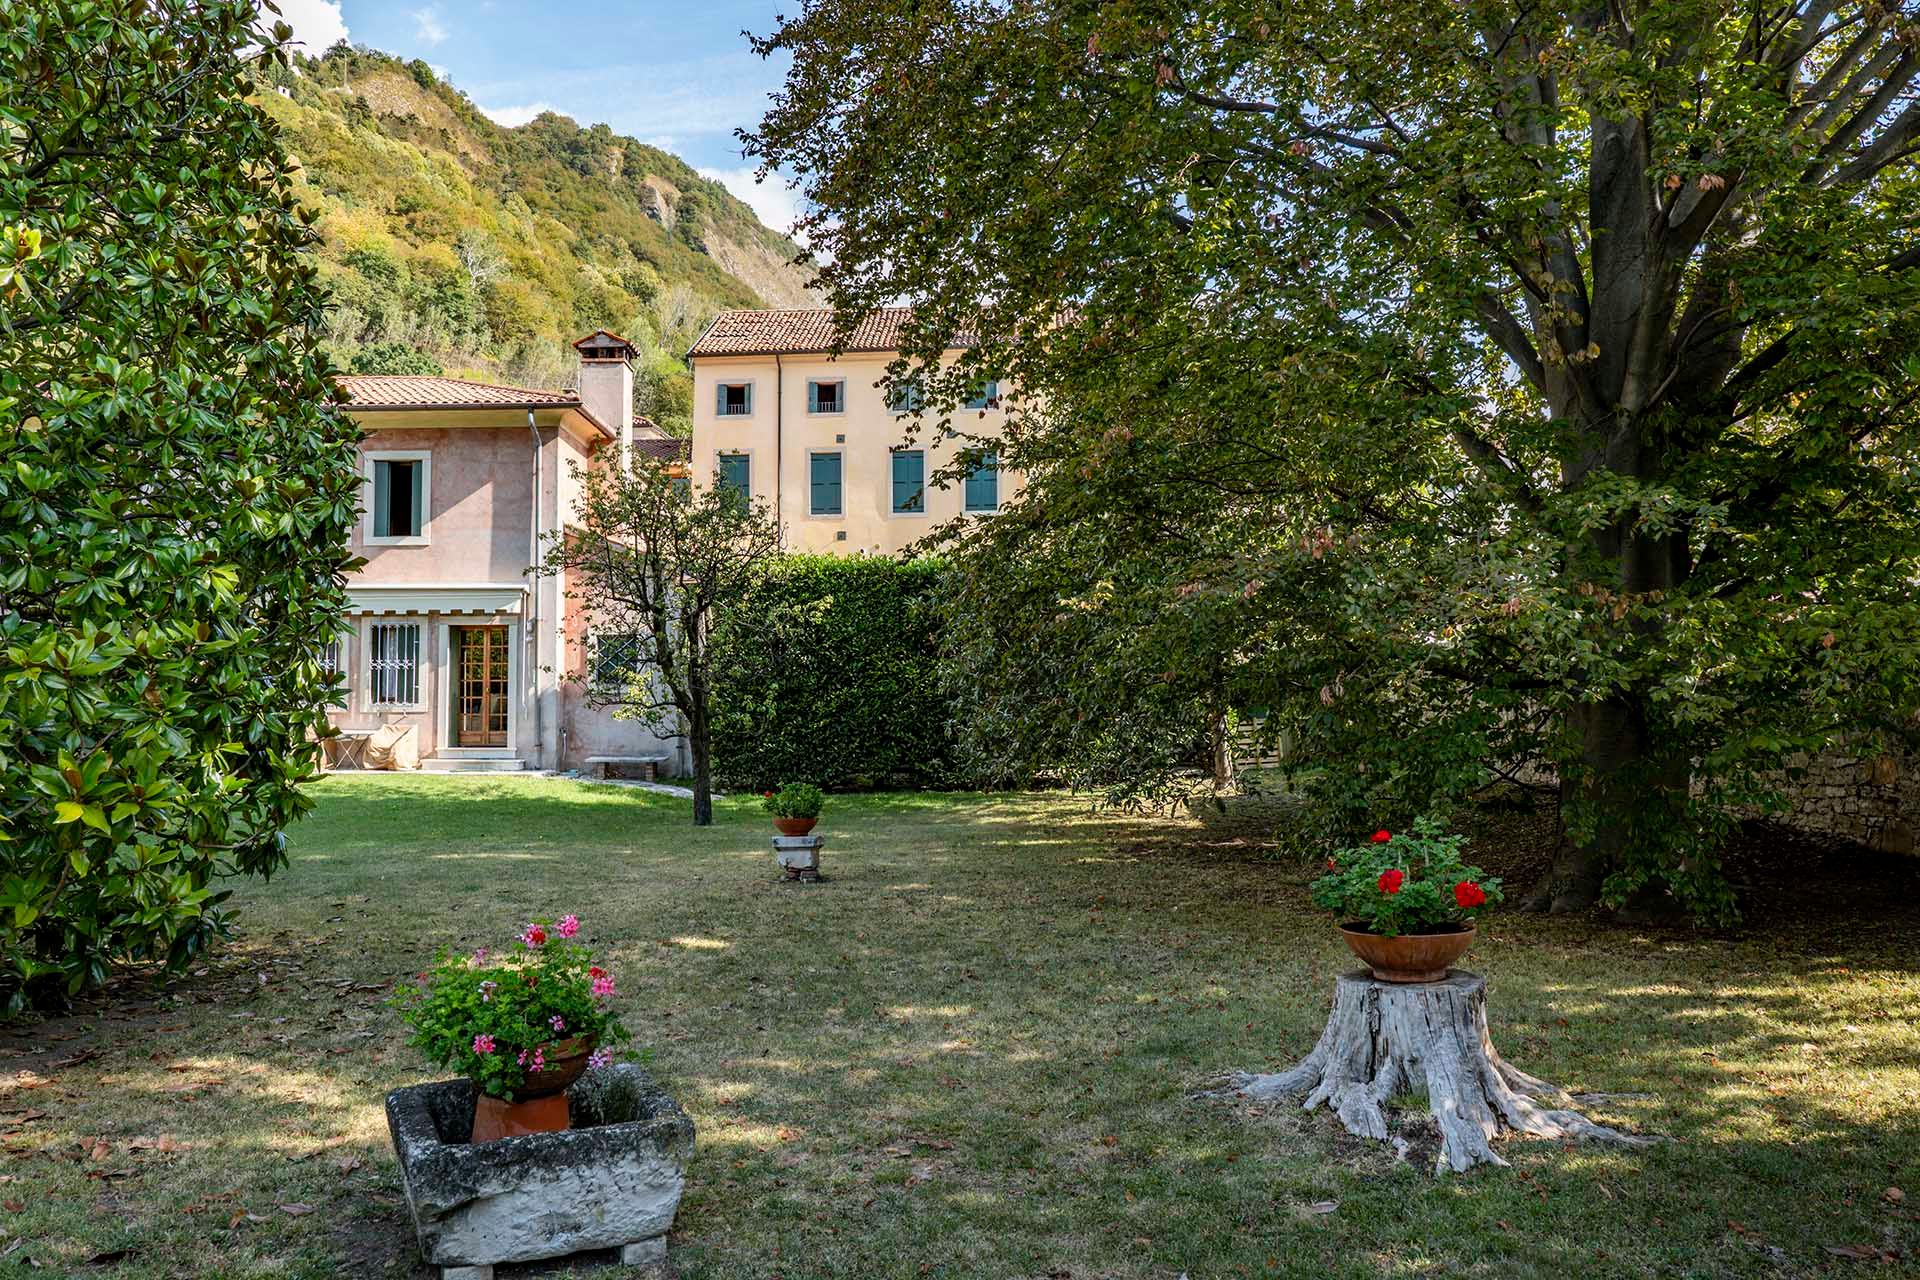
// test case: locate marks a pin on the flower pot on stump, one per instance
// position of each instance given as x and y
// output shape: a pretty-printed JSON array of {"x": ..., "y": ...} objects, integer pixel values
[{"x": 1409, "y": 957}]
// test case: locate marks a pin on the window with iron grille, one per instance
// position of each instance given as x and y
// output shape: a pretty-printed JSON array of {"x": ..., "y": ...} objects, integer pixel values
[
  {"x": 393, "y": 663},
  {"x": 330, "y": 658},
  {"x": 617, "y": 657}
]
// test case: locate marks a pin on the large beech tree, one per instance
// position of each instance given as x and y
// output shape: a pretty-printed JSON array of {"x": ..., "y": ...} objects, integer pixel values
[
  {"x": 1458, "y": 383},
  {"x": 175, "y": 493}
]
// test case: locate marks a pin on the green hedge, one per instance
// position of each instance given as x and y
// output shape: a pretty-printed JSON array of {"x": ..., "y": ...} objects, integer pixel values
[{"x": 828, "y": 673}]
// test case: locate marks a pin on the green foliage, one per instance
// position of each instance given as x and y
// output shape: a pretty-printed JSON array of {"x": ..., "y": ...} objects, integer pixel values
[
  {"x": 1400, "y": 883},
  {"x": 394, "y": 357},
  {"x": 175, "y": 496},
  {"x": 1470, "y": 386},
  {"x": 648, "y": 559},
  {"x": 492, "y": 1017},
  {"x": 829, "y": 670},
  {"x": 795, "y": 800},
  {"x": 488, "y": 250}
]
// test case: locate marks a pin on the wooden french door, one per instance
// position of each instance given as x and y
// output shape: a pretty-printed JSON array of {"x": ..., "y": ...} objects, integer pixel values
[{"x": 481, "y": 692}]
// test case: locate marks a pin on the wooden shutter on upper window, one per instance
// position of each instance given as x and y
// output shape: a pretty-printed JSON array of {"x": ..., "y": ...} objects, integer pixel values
[{"x": 382, "y": 492}]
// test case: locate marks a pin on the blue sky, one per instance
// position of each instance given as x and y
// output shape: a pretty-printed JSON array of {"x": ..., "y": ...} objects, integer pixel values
[{"x": 679, "y": 76}]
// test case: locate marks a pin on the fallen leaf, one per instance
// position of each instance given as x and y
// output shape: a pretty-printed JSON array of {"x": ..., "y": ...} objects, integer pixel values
[
  {"x": 1893, "y": 1195},
  {"x": 1858, "y": 1252},
  {"x": 348, "y": 1165},
  {"x": 296, "y": 1210},
  {"x": 1323, "y": 1206},
  {"x": 12, "y": 1206},
  {"x": 85, "y": 1055}
]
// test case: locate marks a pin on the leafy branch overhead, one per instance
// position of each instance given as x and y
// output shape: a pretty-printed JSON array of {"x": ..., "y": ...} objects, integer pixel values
[{"x": 1464, "y": 392}]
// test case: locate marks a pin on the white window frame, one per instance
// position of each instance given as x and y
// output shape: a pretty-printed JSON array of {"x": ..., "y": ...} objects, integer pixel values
[
  {"x": 753, "y": 399},
  {"x": 841, "y": 412},
  {"x": 423, "y": 663},
  {"x": 425, "y": 458},
  {"x": 841, "y": 514}
]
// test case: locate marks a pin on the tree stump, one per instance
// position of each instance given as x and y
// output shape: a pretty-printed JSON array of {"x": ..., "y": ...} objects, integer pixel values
[{"x": 1387, "y": 1038}]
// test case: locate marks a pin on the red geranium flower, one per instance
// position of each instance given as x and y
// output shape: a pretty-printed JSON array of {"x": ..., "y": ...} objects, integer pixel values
[
  {"x": 1382, "y": 836},
  {"x": 1469, "y": 894},
  {"x": 1390, "y": 881},
  {"x": 595, "y": 971},
  {"x": 1332, "y": 865}
]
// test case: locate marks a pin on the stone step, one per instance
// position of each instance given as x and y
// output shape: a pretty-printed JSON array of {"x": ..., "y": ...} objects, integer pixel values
[{"x": 471, "y": 764}]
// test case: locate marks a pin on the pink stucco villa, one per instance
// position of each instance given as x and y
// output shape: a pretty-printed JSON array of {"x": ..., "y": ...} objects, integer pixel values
[{"x": 450, "y": 632}]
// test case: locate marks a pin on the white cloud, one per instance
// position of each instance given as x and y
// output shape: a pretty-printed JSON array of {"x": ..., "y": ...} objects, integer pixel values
[
  {"x": 514, "y": 117},
  {"x": 317, "y": 24},
  {"x": 772, "y": 201},
  {"x": 426, "y": 27}
]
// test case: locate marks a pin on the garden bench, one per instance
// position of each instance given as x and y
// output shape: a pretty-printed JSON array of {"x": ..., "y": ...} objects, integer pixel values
[{"x": 597, "y": 765}]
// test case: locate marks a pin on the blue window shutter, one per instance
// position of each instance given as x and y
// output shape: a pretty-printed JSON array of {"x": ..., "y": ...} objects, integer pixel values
[
  {"x": 746, "y": 398},
  {"x": 909, "y": 480},
  {"x": 382, "y": 487},
  {"x": 734, "y": 473},
  {"x": 825, "y": 484},
  {"x": 983, "y": 485},
  {"x": 419, "y": 473},
  {"x": 720, "y": 399},
  {"x": 813, "y": 397}
]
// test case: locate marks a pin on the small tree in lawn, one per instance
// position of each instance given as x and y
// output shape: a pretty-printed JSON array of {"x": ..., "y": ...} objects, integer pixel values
[{"x": 654, "y": 561}]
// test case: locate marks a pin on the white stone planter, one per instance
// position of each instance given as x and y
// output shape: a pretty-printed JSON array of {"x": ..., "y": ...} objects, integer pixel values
[{"x": 612, "y": 1181}]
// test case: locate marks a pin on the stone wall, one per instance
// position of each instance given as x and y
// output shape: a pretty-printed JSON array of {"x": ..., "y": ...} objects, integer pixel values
[{"x": 1874, "y": 800}]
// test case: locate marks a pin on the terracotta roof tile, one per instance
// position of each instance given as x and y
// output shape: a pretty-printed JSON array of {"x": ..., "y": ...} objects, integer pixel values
[
  {"x": 403, "y": 391},
  {"x": 759, "y": 333},
  {"x": 665, "y": 448}
]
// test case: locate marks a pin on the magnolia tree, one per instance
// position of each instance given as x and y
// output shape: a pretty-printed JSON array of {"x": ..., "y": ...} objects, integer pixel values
[
  {"x": 1459, "y": 386},
  {"x": 651, "y": 565},
  {"x": 175, "y": 496}
]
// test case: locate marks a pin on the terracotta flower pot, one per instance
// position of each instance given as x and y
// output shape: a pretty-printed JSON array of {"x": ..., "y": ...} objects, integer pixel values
[
  {"x": 794, "y": 826},
  {"x": 539, "y": 1105},
  {"x": 1411, "y": 957}
]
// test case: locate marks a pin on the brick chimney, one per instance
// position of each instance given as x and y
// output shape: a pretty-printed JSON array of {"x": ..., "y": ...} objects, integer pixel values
[{"x": 606, "y": 385}]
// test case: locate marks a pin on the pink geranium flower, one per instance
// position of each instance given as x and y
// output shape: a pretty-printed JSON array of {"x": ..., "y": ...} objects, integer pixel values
[
  {"x": 535, "y": 936},
  {"x": 483, "y": 1044},
  {"x": 557, "y": 1022},
  {"x": 569, "y": 925},
  {"x": 599, "y": 1058},
  {"x": 603, "y": 987}
]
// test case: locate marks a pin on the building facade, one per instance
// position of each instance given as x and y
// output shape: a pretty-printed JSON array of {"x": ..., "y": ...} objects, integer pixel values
[
  {"x": 779, "y": 416},
  {"x": 452, "y": 631}
]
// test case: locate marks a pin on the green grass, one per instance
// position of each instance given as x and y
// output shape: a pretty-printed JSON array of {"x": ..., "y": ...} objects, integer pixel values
[{"x": 969, "y": 1054}]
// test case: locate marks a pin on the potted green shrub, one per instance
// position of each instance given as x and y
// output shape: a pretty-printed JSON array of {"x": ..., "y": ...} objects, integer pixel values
[
  {"x": 1407, "y": 901},
  {"x": 522, "y": 1025},
  {"x": 795, "y": 807}
]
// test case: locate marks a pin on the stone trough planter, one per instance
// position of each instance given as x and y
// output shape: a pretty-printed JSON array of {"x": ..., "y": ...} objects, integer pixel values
[{"x": 611, "y": 1181}]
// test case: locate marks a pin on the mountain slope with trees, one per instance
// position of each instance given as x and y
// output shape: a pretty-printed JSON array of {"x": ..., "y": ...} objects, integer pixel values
[{"x": 455, "y": 245}]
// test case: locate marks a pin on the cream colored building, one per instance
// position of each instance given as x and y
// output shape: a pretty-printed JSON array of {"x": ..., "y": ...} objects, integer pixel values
[{"x": 813, "y": 436}]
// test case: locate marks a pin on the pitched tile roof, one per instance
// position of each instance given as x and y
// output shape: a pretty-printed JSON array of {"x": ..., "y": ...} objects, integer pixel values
[
  {"x": 762, "y": 333},
  {"x": 405, "y": 391},
  {"x": 665, "y": 448}
]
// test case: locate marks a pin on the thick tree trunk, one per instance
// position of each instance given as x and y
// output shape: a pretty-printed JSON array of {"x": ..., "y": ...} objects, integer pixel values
[
  {"x": 1620, "y": 779},
  {"x": 1384, "y": 1039}
]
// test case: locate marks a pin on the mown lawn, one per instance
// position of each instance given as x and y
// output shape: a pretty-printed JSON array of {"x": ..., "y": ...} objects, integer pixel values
[{"x": 970, "y": 1054}]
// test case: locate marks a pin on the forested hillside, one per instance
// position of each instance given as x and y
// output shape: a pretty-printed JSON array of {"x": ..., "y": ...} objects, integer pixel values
[{"x": 455, "y": 245}]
